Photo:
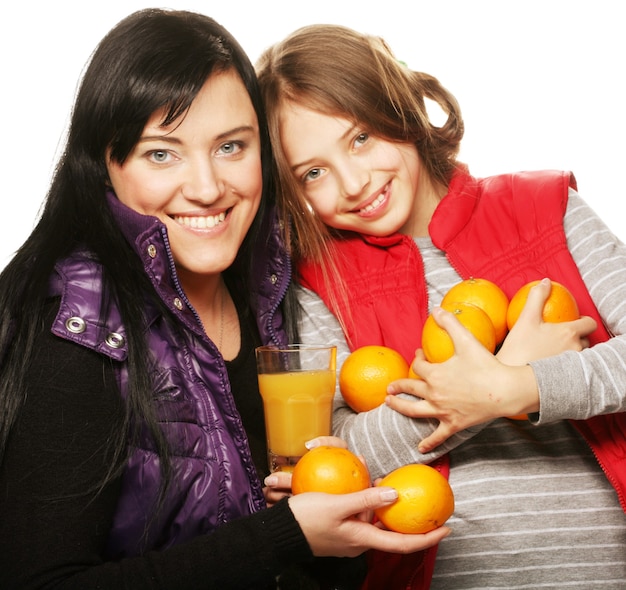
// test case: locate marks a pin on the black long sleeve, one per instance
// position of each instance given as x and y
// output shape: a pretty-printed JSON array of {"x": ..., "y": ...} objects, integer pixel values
[{"x": 52, "y": 534}]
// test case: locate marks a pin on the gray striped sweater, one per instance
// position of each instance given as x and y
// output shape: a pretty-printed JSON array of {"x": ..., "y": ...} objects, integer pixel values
[{"x": 533, "y": 508}]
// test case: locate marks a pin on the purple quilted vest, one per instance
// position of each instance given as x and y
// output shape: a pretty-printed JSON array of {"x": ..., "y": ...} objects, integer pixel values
[{"x": 214, "y": 477}]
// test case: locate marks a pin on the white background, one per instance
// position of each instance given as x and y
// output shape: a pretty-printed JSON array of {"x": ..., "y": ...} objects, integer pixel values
[{"x": 540, "y": 82}]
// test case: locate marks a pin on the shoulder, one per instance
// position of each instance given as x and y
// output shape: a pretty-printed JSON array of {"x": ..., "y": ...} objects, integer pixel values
[
  {"x": 530, "y": 179},
  {"x": 519, "y": 191},
  {"x": 75, "y": 368},
  {"x": 85, "y": 316}
]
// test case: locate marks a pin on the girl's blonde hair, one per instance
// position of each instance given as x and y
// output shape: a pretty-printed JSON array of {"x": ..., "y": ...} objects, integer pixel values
[{"x": 338, "y": 71}]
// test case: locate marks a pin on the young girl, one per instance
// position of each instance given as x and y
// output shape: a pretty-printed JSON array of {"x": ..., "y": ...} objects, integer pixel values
[
  {"x": 384, "y": 220},
  {"x": 128, "y": 324}
]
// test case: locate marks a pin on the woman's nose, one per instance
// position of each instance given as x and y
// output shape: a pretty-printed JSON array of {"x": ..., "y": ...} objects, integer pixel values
[{"x": 202, "y": 183}]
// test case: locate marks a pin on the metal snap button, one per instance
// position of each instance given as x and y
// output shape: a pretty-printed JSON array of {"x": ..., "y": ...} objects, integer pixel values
[
  {"x": 75, "y": 325},
  {"x": 114, "y": 340}
]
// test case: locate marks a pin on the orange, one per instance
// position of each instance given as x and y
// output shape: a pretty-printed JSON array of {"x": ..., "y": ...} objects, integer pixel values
[
  {"x": 486, "y": 295},
  {"x": 412, "y": 373},
  {"x": 438, "y": 345},
  {"x": 365, "y": 374},
  {"x": 559, "y": 307},
  {"x": 329, "y": 469},
  {"x": 425, "y": 500}
]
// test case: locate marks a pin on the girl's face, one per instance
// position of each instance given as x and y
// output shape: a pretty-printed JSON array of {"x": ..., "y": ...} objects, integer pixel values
[
  {"x": 352, "y": 180},
  {"x": 201, "y": 175}
]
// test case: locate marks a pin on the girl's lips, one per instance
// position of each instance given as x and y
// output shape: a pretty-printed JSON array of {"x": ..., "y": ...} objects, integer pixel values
[
  {"x": 372, "y": 207},
  {"x": 200, "y": 221}
]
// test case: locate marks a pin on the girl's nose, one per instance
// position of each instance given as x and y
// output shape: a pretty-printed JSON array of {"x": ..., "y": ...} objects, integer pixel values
[{"x": 354, "y": 179}]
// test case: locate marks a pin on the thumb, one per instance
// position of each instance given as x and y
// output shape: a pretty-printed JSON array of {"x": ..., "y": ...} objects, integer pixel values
[
  {"x": 537, "y": 296},
  {"x": 450, "y": 323},
  {"x": 370, "y": 499}
]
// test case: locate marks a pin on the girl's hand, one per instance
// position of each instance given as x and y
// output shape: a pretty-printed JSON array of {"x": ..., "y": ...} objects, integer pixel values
[
  {"x": 334, "y": 525},
  {"x": 328, "y": 441},
  {"x": 473, "y": 386},
  {"x": 531, "y": 338},
  {"x": 470, "y": 388}
]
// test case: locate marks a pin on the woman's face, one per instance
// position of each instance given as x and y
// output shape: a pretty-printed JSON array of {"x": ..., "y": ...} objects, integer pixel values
[
  {"x": 201, "y": 175},
  {"x": 352, "y": 180}
]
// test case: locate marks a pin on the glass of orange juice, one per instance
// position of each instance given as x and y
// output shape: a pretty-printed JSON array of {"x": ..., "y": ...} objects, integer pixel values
[{"x": 297, "y": 384}]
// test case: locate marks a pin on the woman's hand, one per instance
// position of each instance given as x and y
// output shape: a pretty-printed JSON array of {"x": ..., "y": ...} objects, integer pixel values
[
  {"x": 278, "y": 484},
  {"x": 340, "y": 524}
]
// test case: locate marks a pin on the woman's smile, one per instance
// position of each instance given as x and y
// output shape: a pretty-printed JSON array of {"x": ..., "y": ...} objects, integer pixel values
[{"x": 200, "y": 221}]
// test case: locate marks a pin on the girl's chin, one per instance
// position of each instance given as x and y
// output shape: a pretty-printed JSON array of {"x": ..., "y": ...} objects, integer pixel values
[{"x": 379, "y": 230}]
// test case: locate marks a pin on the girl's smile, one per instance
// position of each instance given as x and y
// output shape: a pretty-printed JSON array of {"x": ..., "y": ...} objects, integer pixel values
[{"x": 375, "y": 205}]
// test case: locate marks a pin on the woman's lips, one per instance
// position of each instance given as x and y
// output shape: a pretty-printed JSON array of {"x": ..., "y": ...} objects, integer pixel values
[{"x": 200, "y": 221}]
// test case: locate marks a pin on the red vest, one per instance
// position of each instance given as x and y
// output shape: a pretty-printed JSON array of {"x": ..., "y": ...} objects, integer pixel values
[{"x": 506, "y": 228}]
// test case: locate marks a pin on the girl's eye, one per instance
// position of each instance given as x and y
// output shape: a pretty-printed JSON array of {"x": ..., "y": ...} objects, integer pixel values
[
  {"x": 312, "y": 174},
  {"x": 361, "y": 138}
]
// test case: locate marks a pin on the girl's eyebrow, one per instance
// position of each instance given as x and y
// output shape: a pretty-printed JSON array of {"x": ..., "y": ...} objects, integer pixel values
[
  {"x": 349, "y": 131},
  {"x": 302, "y": 164}
]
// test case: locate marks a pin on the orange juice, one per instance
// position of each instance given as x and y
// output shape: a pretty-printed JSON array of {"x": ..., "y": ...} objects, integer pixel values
[{"x": 297, "y": 407}]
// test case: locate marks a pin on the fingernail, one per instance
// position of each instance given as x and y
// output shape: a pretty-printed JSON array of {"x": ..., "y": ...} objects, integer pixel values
[
  {"x": 271, "y": 480},
  {"x": 311, "y": 444},
  {"x": 389, "y": 494}
]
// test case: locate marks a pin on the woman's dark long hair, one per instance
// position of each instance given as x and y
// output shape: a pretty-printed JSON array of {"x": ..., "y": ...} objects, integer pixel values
[{"x": 152, "y": 60}]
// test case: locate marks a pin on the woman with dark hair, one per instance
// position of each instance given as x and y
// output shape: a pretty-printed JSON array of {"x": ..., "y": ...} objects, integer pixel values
[{"x": 128, "y": 324}]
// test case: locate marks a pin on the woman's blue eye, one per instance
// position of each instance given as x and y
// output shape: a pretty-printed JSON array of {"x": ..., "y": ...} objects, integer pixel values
[
  {"x": 362, "y": 138},
  {"x": 159, "y": 156},
  {"x": 231, "y": 148}
]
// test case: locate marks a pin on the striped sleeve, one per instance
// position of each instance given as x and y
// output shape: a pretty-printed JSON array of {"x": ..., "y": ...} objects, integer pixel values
[
  {"x": 385, "y": 438},
  {"x": 580, "y": 385}
]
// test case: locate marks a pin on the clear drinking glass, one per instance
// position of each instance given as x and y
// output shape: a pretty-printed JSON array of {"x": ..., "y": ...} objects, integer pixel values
[{"x": 297, "y": 384}]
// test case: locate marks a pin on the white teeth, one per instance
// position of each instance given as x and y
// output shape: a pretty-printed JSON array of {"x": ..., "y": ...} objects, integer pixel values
[
  {"x": 205, "y": 222},
  {"x": 375, "y": 203}
]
